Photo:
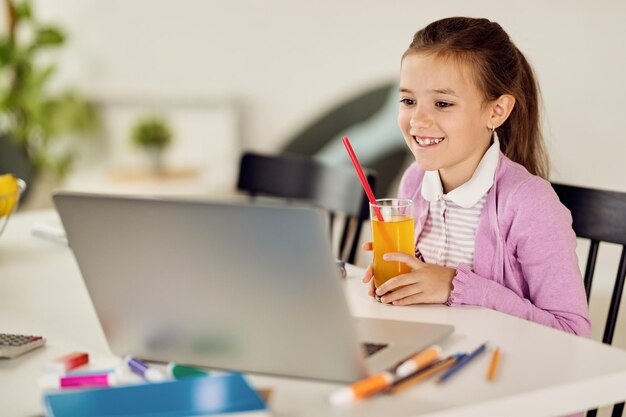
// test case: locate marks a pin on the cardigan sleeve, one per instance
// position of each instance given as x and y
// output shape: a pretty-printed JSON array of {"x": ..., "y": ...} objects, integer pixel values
[{"x": 543, "y": 244}]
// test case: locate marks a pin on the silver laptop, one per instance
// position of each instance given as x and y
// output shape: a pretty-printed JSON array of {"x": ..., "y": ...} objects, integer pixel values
[{"x": 227, "y": 286}]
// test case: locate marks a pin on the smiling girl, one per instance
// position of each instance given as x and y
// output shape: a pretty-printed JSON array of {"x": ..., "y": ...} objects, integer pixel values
[{"x": 490, "y": 230}]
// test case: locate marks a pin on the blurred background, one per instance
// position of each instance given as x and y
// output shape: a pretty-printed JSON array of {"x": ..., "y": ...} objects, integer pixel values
[
  {"x": 241, "y": 75},
  {"x": 164, "y": 96}
]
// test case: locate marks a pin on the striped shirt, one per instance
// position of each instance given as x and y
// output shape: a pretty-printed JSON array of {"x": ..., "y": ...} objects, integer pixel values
[{"x": 449, "y": 234}]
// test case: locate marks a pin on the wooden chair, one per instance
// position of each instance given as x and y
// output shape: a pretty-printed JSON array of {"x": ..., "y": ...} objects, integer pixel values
[
  {"x": 599, "y": 216},
  {"x": 336, "y": 189}
]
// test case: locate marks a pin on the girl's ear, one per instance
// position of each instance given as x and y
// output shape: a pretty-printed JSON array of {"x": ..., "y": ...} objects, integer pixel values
[{"x": 501, "y": 109}]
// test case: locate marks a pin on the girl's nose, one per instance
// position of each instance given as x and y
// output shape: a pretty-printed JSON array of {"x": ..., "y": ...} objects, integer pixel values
[{"x": 420, "y": 119}]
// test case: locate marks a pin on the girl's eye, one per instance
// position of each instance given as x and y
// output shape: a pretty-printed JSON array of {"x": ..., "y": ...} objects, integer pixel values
[
  {"x": 407, "y": 101},
  {"x": 442, "y": 104}
]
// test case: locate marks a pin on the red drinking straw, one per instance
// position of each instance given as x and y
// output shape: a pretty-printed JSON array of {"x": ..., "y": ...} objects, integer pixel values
[{"x": 359, "y": 171}]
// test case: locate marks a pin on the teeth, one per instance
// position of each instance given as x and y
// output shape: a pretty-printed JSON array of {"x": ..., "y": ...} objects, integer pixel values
[{"x": 428, "y": 141}]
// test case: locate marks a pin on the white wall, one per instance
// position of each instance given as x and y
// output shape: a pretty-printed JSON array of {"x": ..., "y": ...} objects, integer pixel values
[{"x": 287, "y": 61}]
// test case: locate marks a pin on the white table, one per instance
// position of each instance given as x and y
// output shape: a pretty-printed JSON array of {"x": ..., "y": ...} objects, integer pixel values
[{"x": 543, "y": 371}]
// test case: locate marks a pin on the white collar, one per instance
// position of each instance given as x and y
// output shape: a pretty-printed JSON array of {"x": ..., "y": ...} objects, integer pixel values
[{"x": 469, "y": 193}]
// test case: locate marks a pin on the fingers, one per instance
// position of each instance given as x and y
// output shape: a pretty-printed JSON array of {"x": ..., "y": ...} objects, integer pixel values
[
  {"x": 369, "y": 274},
  {"x": 372, "y": 289},
  {"x": 402, "y": 295},
  {"x": 405, "y": 258},
  {"x": 417, "y": 298},
  {"x": 367, "y": 246},
  {"x": 397, "y": 282},
  {"x": 431, "y": 284}
]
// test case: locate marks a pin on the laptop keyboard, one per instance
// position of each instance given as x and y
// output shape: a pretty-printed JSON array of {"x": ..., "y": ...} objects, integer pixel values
[{"x": 371, "y": 348}]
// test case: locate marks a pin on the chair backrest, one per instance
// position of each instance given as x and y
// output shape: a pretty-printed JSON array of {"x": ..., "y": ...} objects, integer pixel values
[
  {"x": 599, "y": 216},
  {"x": 331, "y": 124},
  {"x": 296, "y": 177}
]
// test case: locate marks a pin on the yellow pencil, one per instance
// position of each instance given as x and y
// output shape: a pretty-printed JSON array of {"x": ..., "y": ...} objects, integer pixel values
[{"x": 493, "y": 366}]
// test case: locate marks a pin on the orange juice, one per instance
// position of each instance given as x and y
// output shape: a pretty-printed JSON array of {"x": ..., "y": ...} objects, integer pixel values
[{"x": 393, "y": 235}]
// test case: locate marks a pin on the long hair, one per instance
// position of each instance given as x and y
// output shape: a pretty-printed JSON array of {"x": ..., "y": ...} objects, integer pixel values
[{"x": 498, "y": 68}]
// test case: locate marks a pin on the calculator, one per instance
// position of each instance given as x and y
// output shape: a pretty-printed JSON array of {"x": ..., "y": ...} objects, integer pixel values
[{"x": 12, "y": 345}]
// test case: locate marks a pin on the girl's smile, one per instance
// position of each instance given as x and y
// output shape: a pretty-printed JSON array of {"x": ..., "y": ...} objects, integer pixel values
[{"x": 427, "y": 142}]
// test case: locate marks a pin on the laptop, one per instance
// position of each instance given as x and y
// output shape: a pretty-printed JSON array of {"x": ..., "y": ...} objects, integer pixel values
[{"x": 228, "y": 286}]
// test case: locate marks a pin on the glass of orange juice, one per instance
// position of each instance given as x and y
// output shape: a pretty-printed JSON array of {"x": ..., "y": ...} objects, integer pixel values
[{"x": 394, "y": 234}]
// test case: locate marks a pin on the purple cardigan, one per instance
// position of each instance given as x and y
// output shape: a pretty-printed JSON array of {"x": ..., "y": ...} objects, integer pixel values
[{"x": 525, "y": 260}]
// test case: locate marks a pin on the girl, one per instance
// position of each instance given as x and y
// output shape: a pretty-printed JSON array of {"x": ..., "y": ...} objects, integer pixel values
[{"x": 490, "y": 230}]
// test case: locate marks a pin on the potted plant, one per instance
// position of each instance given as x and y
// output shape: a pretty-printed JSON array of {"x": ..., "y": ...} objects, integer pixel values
[
  {"x": 40, "y": 124},
  {"x": 153, "y": 135}
]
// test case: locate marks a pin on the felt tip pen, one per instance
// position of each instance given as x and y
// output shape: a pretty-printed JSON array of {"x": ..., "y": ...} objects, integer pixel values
[
  {"x": 418, "y": 361},
  {"x": 362, "y": 389},
  {"x": 493, "y": 365},
  {"x": 461, "y": 363},
  {"x": 89, "y": 372},
  {"x": 434, "y": 368},
  {"x": 177, "y": 371},
  {"x": 77, "y": 381},
  {"x": 143, "y": 370},
  {"x": 67, "y": 362}
]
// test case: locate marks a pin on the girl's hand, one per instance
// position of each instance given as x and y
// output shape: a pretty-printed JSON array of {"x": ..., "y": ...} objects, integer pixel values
[
  {"x": 426, "y": 284},
  {"x": 369, "y": 272}
]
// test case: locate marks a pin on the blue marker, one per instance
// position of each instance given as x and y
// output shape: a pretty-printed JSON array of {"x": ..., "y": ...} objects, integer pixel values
[
  {"x": 461, "y": 363},
  {"x": 142, "y": 369}
]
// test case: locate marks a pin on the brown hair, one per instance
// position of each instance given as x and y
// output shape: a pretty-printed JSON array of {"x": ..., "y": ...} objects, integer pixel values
[{"x": 498, "y": 68}]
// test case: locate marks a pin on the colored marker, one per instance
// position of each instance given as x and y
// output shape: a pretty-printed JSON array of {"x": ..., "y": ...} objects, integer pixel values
[
  {"x": 362, "y": 389},
  {"x": 418, "y": 361},
  {"x": 177, "y": 371},
  {"x": 90, "y": 372},
  {"x": 461, "y": 363},
  {"x": 67, "y": 362},
  {"x": 423, "y": 374},
  {"x": 341, "y": 265},
  {"x": 143, "y": 370},
  {"x": 493, "y": 366},
  {"x": 75, "y": 381}
]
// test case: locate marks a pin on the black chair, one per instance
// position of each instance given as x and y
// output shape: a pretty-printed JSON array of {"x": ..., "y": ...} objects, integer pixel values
[
  {"x": 599, "y": 216},
  {"x": 332, "y": 122},
  {"x": 336, "y": 189}
]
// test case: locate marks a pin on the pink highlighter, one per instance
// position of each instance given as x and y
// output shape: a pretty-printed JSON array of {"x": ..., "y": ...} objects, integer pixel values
[{"x": 77, "y": 381}]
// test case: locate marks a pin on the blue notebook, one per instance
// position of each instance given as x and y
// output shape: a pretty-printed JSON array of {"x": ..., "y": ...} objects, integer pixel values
[{"x": 200, "y": 396}]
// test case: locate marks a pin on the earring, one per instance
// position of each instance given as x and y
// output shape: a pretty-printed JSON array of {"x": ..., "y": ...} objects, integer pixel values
[{"x": 494, "y": 133}]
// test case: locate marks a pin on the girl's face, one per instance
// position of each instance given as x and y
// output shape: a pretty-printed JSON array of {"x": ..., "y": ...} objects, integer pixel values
[{"x": 443, "y": 117}]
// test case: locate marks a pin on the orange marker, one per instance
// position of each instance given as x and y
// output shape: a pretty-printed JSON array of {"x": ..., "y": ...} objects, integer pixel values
[
  {"x": 362, "y": 389},
  {"x": 418, "y": 361},
  {"x": 493, "y": 366}
]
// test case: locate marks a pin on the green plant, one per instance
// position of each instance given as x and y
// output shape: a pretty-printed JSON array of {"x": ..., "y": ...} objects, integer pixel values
[
  {"x": 151, "y": 132},
  {"x": 153, "y": 135},
  {"x": 41, "y": 123}
]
